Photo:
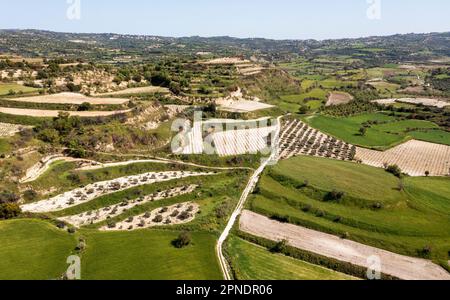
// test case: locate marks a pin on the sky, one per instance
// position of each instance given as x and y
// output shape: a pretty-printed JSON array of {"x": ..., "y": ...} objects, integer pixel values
[{"x": 276, "y": 19}]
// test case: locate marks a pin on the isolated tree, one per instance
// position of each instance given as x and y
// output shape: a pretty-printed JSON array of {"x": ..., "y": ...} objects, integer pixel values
[
  {"x": 183, "y": 240},
  {"x": 363, "y": 131},
  {"x": 303, "y": 110}
]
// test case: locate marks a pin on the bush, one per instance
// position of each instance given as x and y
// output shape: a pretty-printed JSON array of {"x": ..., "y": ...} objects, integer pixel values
[
  {"x": 158, "y": 219},
  {"x": 334, "y": 195},
  {"x": 394, "y": 169},
  {"x": 7, "y": 197},
  {"x": 30, "y": 195},
  {"x": 9, "y": 210},
  {"x": 280, "y": 247},
  {"x": 86, "y": 106},
  {"x": 183, "y": 240}
]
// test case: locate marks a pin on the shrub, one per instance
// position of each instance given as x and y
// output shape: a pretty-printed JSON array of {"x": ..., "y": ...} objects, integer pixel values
[
  {"x": 280, "y": 247},
  {"x": 184, "y": 216},
  {"x": 86, "y": 106},
  {"x": 334, "y": 195},
  {"x": 158, "y": 219},
  {"x": 30, "y": 195},
  {"x": 425, "y": 252},
  {"x": 111, "y": 224},
  {"x": 7, "y": 197},
  {"x": 306, "y": 208},
  {"x": 183, "y": 240},
  {"x": 9, "y": 210},
  {"x": 394, "y": 169},
  {"x": 60, "y": 225}
]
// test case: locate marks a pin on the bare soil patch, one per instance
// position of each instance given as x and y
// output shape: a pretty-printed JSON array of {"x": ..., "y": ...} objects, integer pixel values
[
  {"x": 400, "y": 266},
  {"x": 71, "y": 98},
  {"x": 137, "y": 90},
  {"x": 413, "y": 157},
  {"x": 54, "y": 113},
  {"x": 424, "y": 101},
  {"x": 338, "y": 98}
]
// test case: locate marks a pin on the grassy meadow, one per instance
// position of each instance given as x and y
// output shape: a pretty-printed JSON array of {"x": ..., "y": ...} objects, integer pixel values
[{"x": 252, "y": 262}]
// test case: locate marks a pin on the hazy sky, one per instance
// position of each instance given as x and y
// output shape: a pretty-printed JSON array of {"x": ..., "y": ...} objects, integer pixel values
[{"x": 279, "y": 19}]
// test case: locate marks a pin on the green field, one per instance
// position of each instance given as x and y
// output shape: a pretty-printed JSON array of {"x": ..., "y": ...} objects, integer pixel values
[
  {"x": 33, "y": 250},
  {"x": 147, "y": 255},
  {"x": 16, "y": 88},
  {"x": 313, "y": 99},
  {"x": 389, "y": 131},
  {"x": 4, "y": 146},
  {"x": 433, "y": 136},
  {"x": 251, "y": 262},
  {"x": 372, "y": 211}
]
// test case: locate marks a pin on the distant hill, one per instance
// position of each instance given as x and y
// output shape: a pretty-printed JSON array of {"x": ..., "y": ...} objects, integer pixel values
[{"x": 106, "y": 46}]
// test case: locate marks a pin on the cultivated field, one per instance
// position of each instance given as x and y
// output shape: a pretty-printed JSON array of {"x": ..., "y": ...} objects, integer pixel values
[
  {"x": 176, "y": 214},
  {"x": 6, "y": 88},
  {"x": 137, "y": 90},
  {"x": 54, "y": 113},
  {"x": 252, "y": 262},
  {"x": 297, "y": 138},
  {"x": 236, "y": 102},
  {"x": 71, "y": 98},
  {"x": 422, "y": 101},
  {"x": 400, "y": 266},
  {"x": 92, "y": 191},
  {"x": 361, "y": 203},
  {"x": 383, "y": 132},
  {"x": 104, "y": 213},
  {"x": 240, "y": 137},
  {"x": 338, "y": 98},
  {"x": 226, "y": 61},
  {"x": 413, "y": 157}
]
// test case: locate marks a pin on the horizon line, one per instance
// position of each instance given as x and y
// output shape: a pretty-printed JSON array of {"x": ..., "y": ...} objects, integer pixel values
[{"x": 224, "y": 36}]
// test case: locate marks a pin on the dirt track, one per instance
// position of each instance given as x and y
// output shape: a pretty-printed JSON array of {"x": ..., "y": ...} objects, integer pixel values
[
  {"x": 400, "y": 266},
  {"x": 71, "y": 98},
  {"x": 54, "y": 113}
]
